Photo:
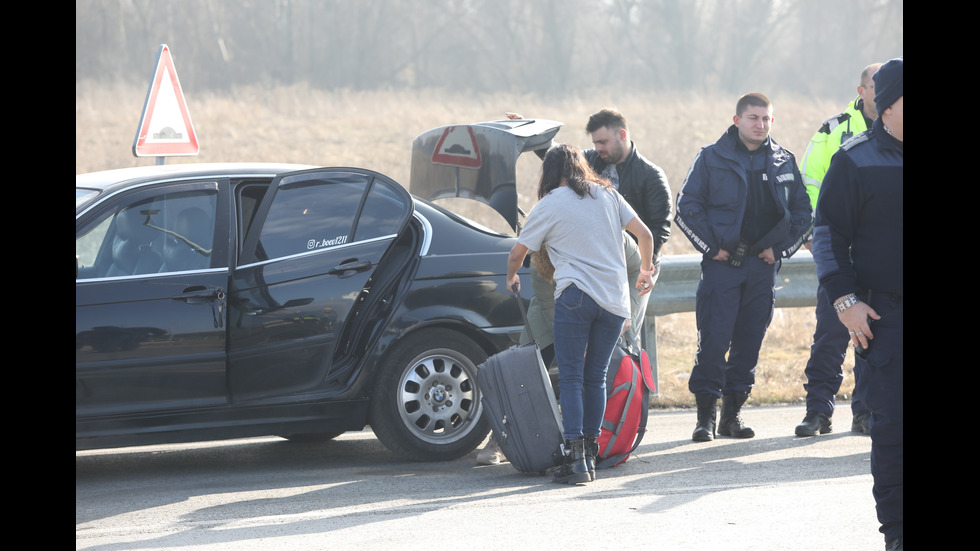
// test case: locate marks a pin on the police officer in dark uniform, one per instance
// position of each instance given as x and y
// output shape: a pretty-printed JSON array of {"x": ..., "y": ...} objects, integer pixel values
[
  {"x": 744, "y": 207},
  {"x": 858, "y": 249}
]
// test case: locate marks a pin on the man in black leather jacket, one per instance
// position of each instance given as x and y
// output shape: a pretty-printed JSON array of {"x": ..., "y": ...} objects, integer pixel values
[{"x": 643, "y": 185}]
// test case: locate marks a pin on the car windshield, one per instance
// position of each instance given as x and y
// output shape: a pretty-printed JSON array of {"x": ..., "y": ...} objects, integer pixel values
[{"x": 83, "y": 194}]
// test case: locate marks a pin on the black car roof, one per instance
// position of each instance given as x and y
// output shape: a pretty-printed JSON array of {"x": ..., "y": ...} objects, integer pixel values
[
  {"x": 110, "y": 181},
  {"x": 107, "y": 179}
]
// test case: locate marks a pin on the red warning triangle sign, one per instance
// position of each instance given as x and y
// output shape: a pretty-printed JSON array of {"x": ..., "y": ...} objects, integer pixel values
[
  {"x": 165, "y": 126},
  {"x": 458, "y": 148}
]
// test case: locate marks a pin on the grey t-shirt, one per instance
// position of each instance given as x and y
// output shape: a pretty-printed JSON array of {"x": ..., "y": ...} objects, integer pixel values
[
  {"x": 584, "y": 236},
  {"x": 610, "y": 173}
]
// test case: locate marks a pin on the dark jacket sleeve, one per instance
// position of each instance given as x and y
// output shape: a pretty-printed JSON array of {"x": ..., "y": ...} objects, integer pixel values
[
  {"x": 801, "y": 216},
  {"x": 835, "y": 224},
  {"x": 692, "y": 203},
  {"x": 658, "y": 207}
]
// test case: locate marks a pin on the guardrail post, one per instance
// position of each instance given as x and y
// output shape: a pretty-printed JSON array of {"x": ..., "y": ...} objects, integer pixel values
[{"x": 648, "y": 341}]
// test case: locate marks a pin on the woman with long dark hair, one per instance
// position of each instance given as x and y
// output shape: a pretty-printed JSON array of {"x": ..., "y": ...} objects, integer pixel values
[{"x": 580, "y": 218}]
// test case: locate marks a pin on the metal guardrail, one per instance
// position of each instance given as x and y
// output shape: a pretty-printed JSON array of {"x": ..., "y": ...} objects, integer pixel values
[{"x": 676, "y": 289}]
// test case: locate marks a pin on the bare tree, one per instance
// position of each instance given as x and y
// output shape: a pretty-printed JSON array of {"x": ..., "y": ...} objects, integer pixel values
[{"x": 545, "y": 46}]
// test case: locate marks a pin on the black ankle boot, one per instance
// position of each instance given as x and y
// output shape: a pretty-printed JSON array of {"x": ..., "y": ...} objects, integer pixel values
[
  {"x": 814, "y": 422},
  {"x": 574, "y": 470},
  {"x": 731, "y": 418},
  {"x": 707, "y": 418},
  {"x": 591, "y": 453}
]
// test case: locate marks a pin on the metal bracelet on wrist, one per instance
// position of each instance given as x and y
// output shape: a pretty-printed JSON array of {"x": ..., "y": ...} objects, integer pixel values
[{"x": 845, "y": 302}]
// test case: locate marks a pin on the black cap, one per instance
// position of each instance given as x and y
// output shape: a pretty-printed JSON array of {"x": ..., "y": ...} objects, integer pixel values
[{"x": 888, "y": 84}]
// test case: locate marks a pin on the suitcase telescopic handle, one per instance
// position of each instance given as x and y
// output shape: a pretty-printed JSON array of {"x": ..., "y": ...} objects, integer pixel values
[{"x": 520, "y": 304}]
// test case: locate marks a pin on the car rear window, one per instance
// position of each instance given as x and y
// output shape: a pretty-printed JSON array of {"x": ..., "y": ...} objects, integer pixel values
[{"x": 328, "y": 211}]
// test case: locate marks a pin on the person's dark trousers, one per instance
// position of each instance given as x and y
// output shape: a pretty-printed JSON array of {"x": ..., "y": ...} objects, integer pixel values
[
  {"x": 733, "y": 309},
  {"x": 884, "y": 397},
  {"x": 823, "y": 369}
]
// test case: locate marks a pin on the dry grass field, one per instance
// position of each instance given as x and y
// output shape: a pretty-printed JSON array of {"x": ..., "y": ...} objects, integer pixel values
[{"x": 375, "y": 130}]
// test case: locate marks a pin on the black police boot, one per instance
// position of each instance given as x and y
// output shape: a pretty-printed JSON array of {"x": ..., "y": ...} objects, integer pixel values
[
  {"x": 731, "y": 418},
  {"x": 707, "y": 418},
  {"x": 591, "y": 452},
  {"x": 814, "y": 422},
  {"x": 861, "y": 422},
  {"x": 574, "y": 470}
]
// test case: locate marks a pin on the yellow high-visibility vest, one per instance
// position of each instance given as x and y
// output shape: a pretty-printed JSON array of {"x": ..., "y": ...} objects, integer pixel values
[{"x": 834, "y": 131}]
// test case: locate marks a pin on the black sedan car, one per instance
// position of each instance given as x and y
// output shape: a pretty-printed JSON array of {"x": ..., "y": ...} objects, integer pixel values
[{"x": 219, "y": 301}]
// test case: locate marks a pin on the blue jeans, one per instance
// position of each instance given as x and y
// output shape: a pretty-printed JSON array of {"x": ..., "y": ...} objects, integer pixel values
[{"x": 585, "y": 336}]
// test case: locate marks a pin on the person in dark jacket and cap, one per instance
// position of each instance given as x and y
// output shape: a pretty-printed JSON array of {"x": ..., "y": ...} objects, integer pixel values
[{"x": 858, "y": 247}]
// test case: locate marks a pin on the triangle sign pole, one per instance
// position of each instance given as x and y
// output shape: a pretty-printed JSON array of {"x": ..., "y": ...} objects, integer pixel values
[{"x": 165, "y": 127}]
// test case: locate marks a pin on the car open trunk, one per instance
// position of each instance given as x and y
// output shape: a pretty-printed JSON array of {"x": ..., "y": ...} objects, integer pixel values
[{"x": 477, "y": 161}]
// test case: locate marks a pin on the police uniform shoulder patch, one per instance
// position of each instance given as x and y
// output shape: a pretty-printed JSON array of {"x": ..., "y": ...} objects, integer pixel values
[
  {"x": 833, "y": 122},
  {"x": 860, "y": 138}
]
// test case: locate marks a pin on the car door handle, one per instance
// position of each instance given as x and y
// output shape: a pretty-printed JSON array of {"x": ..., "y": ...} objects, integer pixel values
[
  {"x": 350, "y": 268},
  {"x": 199, "y": 294}
]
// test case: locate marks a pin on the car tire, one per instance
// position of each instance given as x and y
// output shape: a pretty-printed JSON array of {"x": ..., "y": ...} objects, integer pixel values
[{"x": 426, "y": 405}]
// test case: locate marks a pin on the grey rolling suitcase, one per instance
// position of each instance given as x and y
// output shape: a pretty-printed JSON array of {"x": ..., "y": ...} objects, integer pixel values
[{"x": 520, "y": 404}]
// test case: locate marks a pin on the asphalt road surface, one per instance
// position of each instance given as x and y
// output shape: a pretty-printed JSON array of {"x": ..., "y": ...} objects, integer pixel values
[{"x": 772, "y": 492}]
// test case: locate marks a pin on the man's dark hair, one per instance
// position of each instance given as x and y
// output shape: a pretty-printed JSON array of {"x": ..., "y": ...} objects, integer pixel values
[
  {"x": 753, "y": 99},
  {"x": 609, "y": 118}
]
